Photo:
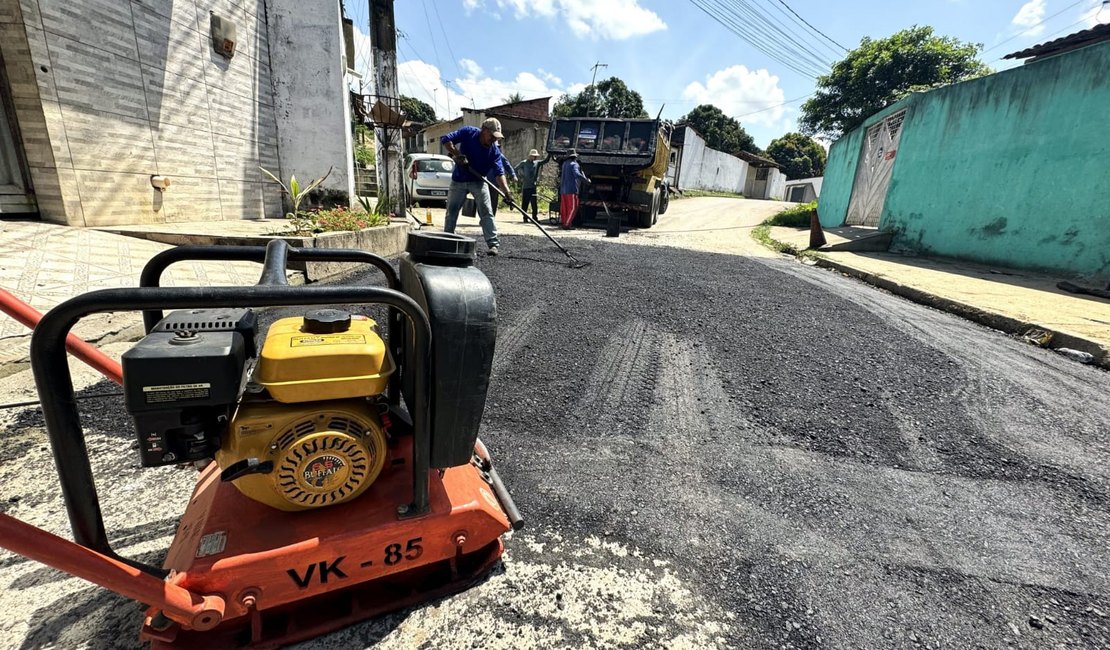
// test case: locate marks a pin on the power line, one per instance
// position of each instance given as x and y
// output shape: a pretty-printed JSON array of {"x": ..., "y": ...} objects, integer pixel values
[
  {"x": 754, "y": 20},
  {"x": 812, "y": 27},
  {"x": 1026, "y": 30},
  {"x": 808, "y": 35},
  {"x": 1062, "y": 29},
  {"x": 789, "y": 101},
  {"x": 447, "y": 40},
  {"x": 428, "y": 19},
  {"x": 754, "y": 27}
]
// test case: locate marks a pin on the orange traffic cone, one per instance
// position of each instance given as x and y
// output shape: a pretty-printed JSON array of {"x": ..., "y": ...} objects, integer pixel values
[{"x": 816, "y": 234}]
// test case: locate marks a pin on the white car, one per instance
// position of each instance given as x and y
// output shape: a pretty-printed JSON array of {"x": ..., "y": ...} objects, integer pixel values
[{"x": 427, "y": 177}]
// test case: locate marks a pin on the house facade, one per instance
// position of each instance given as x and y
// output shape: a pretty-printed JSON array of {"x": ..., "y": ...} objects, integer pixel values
[
  {"x": 148, "y": 111},
  {"x": 1007, "y": 169},
  {"x": 525, "y": 125}
]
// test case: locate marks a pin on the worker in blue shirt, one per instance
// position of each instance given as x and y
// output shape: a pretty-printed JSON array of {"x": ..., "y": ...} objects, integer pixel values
[
  {"x": 476, "y": 154},
  {"x": 509, "y": 171},
  {"x": 569, "y": 184}
]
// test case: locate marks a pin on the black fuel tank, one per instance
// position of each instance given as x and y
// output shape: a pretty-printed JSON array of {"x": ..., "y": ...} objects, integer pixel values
[{"x": 437, "y": 271}]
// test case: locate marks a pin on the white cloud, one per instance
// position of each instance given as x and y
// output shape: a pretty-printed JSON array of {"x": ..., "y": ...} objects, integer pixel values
[
  {"x": 1029, "y": 17},
  {"x": 471, "y": 5},
  {"x": 471, "y": 67},
  {"x": 426, "y": 82},
  {"x": 614, "y": 20},
  {"x": 738, "y": 91}
]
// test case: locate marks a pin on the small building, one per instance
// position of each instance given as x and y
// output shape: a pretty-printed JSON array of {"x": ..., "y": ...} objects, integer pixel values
[
  {"x": 525, "y": 125},
  {"x": 1006, "y": 169},
  {"x": 696, "y": 166},
  {"x": 803, "y": 190},
  {"x": 99, "y": 98}
]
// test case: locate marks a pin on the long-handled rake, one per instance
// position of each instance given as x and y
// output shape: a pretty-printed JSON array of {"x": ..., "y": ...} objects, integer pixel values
[{"x": 575, "y": 263}]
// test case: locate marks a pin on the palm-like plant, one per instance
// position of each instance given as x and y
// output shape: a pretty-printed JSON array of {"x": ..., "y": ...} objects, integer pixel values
[{"x": 294, "y": 190}]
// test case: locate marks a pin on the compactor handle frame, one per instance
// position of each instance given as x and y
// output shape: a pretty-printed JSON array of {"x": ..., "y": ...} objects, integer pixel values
[
  {"x": 275, "y": 257},
  {"x": 55, "y": 383}
]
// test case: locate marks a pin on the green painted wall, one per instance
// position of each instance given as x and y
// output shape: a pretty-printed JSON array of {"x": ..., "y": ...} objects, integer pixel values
[
  {"x": 840, "y": 169},
  {"x": 1009, "y": 169}
]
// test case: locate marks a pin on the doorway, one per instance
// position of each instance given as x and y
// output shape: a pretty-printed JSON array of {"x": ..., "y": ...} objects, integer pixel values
[
  {"x": 876, "y": 162},
  {"x": 16, "y": 196}
]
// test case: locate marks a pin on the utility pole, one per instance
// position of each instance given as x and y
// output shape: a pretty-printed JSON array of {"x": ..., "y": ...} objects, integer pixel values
[
  {"x": 387, "y": 141},
  {"x": 593, "y": 88}
]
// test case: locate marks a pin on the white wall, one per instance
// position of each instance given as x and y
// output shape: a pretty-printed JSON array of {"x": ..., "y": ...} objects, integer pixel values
[
  {"x": 310, "y": 91},
  {"x": 702, "y": 168},
  {"x": 813, "y": 189}
]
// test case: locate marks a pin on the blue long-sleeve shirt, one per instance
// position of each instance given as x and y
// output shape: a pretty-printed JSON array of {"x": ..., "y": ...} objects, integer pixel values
[
  {"x": 508, "y": 167},
  {"x": 572, "y": 173},
  {"x": 483, "y": 160}
]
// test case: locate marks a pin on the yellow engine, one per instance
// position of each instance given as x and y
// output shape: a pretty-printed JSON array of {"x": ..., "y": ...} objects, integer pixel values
[{"x": 313, "y": 437}]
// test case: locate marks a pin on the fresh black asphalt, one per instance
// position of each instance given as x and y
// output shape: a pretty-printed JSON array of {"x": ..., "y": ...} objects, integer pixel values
[{"x": 718, "y": 451}]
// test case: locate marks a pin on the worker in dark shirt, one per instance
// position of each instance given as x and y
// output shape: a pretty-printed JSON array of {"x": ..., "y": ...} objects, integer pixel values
[
  {"x": 476, "y": 155},
  {"x": 569, "y": 186}
]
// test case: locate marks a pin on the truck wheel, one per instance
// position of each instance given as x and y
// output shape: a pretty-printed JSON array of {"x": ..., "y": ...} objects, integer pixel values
[
  {"x": 648, "y": 219},
  {"x": 664, "y": 200}
]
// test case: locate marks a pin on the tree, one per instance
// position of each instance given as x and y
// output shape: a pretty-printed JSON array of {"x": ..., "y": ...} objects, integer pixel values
[
  {"x": 880, "y": 72},
  {"x": 609, "y": 98},
  {"x": 417, "y": 111},
  {"x": 720, "y": 131},
  {"x": 513, "y": 98},
  {"x": 800, "y": 156}
]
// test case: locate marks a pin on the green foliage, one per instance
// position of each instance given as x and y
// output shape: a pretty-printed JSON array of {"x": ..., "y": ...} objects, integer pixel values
[
  {"x": 364, "y": 155},
  {"x": 796, "y": 217},
  {"x": 609, "y": 98},
  {"x": 513, "y": 98},
  {"x": 720, "y": 131},
  {"x": 880, "y": 72},
  {"x": 417, "y": 110},
  {"x": 294, "y": 191},
  {"x": 333, "y": 220},
  {"x": 800, "y": 155}
]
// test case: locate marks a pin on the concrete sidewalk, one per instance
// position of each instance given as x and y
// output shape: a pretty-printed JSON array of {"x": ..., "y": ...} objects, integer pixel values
[
  {"x": 44, "y": 264},
  {"x": 1014, "y": 301}
]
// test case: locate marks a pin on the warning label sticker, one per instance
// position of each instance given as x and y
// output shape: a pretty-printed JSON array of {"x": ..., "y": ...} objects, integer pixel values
[
  {"x": 212, "y": 544},
  {"x": 175, "y": 392},
  {"x": 327, "y": 339}
]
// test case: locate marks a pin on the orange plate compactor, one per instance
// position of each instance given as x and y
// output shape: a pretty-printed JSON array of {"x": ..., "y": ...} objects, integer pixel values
[{"x": 340, "y": 473}]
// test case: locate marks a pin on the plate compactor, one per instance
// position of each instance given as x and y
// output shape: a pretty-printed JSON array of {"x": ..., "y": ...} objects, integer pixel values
[{"x": 340, "y": 473}]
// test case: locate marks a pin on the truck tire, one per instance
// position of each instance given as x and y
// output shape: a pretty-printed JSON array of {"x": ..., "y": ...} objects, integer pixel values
[
  {"x": 648, "y": 219},
  {"x": 664, "y": 200}
]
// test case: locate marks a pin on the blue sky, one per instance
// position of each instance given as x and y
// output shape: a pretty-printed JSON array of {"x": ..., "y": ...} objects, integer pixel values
[{"x": 475, "y": 52}]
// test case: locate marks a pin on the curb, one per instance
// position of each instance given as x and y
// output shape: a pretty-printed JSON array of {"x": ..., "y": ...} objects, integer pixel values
[{"x": 991, "y": 319}]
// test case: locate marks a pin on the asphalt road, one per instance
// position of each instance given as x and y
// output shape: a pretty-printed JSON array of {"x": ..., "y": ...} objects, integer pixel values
[{"x": 711, "y": 451}]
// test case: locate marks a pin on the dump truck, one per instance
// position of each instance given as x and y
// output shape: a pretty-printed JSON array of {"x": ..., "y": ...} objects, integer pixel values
[{"x": 625, "y": 158}]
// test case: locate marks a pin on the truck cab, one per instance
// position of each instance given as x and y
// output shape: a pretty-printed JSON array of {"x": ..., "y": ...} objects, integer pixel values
[{"x": 625, "y": 158}]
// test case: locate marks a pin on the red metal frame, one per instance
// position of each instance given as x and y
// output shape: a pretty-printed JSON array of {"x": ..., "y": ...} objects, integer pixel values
[{"x": 29, "y": 316}]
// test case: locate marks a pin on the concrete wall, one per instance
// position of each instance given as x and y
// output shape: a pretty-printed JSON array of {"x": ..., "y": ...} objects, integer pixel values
[
  {"x": 987, "y": 169},
  {"x": 811, "y": 187},
  {"x": 520, "y": 135},
  {"x": 702, "y": 168},
  {"x": 310, "y": 89},
  {"x": 110, "y": 92}
]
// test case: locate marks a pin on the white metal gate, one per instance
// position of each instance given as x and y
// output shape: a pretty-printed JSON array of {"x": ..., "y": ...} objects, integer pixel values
[{"x": 876, "y": 162}]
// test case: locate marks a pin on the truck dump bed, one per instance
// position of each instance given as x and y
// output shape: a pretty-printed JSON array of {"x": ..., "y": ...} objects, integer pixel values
[{"x": 628, "y": 144}]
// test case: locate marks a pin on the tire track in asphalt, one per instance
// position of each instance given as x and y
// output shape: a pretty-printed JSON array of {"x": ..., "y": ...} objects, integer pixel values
[{"x": 511, "y": 338}]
